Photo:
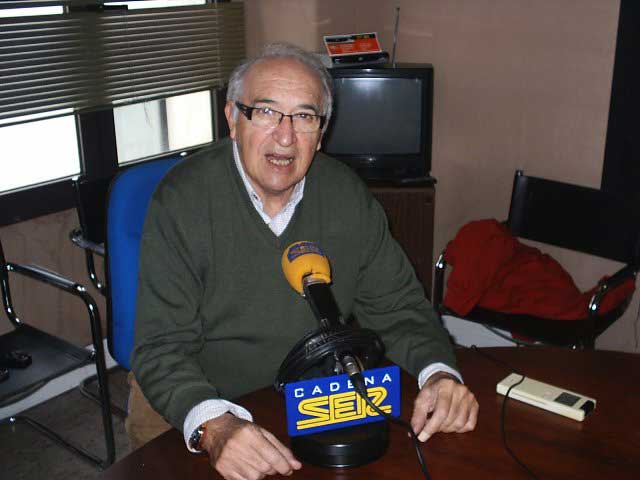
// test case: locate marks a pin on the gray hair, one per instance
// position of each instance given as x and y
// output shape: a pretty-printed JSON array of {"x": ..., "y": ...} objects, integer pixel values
[{"x": 283, "y": 50}]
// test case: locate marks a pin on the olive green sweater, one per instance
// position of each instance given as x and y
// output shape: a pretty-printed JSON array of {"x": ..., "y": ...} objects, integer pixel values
[{"x": 215, "y": 315}]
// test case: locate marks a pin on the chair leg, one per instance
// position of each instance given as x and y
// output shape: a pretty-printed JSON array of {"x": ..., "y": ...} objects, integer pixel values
[
  {"x": 103, "y": 381},
  {"x": 438, "y": 283},
  {"x": 85, "y": 391},
  {"x": 73, "y": 448},
  {"x": 105, "y": 407},
  {"x": 103, "y": 392}
]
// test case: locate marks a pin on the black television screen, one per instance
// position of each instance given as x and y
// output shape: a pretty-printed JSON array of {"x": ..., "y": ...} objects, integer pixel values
[{"x": 381, "y": 124}]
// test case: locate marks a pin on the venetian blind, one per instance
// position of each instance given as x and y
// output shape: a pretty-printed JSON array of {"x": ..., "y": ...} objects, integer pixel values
[{"x": 86, "y": 60}]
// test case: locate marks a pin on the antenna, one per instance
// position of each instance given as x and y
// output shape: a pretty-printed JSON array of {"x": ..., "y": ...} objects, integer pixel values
[{"x": 395, "y": 38}]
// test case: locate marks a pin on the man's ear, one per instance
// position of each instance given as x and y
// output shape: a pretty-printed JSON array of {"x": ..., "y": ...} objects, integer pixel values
[
  {"x": 319, "y": 142},
  {"x": 228, "y": 113}
]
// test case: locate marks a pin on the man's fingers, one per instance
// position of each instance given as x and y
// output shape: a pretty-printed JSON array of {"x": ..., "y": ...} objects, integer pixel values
[
  {"x": 455, "y": 410},
  {"x": 438, "y": 417},
  {"x": 473, "y": 417},
  {"x": 240, "y": 458},
  {"x": 463, "y": 405},
  {"x": 264, "y": 456},
  {"x": 234, "y": 468},
  {"x": 243, "y": 450},
  {"x": 422, "y": 407},
  {"x": 275, "y": 454}
]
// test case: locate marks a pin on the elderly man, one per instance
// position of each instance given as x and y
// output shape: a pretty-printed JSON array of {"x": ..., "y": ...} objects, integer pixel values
[{"x": 215, "y": 314}]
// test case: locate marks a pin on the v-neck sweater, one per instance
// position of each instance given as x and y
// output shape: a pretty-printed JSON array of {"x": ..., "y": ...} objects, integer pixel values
[{"x": 215, "y": 315}]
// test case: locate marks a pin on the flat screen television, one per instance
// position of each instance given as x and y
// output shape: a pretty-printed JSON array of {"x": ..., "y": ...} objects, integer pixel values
[{"x": 381, "y": 125}]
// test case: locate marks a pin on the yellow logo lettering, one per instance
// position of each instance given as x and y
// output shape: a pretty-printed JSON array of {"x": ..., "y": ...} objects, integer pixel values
[{"x": 340, "y": 407}]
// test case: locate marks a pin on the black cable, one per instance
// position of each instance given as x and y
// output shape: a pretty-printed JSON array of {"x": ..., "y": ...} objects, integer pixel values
[
  {"x": 503, "y": 411},
  {"x": 504, "y": 432},
  {"x": 360, "y": 387}
]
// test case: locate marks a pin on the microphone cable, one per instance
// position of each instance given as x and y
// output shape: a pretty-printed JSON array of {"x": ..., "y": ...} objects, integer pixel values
[
  {"x": 357, "y": 380},
  {"x": 503, "y": 410},
  {"x": 359, "y": 385}
]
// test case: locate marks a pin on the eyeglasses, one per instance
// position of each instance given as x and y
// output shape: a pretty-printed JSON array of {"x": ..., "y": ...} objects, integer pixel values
[{"x": 267, "y": 117}]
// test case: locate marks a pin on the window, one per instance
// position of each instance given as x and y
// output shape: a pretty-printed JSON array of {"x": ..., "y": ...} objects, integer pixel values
[
  {"x": 165, "y": 125},
  {"x": 135, "y": 5},
  {"x": 162, "y": 126},
  {"x": 189, "y": 49},
  {"x": 30, "y": 12},
  {"x": 27, "y": 162},
  {"x": 55, "y": 155}
]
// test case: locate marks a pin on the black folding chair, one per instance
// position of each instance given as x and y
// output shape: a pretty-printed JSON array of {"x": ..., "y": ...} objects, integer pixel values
[
  {"x": 50, "y": 357},
  {"x": 578, "y": 218}
]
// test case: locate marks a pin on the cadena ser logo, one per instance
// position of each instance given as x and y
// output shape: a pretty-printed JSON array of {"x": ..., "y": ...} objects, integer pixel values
[
  {"x": 303, "y": 248},
  {"x": 328, "y": 403}
]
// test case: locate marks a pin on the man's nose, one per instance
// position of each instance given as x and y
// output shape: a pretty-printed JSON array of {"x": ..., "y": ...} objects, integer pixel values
[{"x": 284, "y": 133}]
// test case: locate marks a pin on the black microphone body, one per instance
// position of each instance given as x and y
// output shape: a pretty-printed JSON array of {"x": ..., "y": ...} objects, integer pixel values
[
  {"x": 322, "y": 302},
  {"x": 324, "y": 306}
]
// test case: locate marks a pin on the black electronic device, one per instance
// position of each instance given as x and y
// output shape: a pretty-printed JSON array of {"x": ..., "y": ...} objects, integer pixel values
[
  {"x": 382, "y": 121},
  {"x": 360, "y": 60}
]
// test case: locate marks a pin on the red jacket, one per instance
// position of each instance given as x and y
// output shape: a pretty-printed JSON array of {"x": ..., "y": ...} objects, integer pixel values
[{"x": 493, "y": 270}]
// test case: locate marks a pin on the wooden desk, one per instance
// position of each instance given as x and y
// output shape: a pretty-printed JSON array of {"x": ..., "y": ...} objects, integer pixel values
[{"x": 605, "y": 445}]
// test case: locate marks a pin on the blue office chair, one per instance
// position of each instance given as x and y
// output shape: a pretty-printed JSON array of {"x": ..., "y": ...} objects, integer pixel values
[{"x": 129, "y": 197}]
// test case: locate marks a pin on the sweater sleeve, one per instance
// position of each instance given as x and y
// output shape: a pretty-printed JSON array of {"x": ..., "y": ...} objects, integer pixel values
[
  {"x": 168, "y": 339},
  {"x": 391, "y": 300}
]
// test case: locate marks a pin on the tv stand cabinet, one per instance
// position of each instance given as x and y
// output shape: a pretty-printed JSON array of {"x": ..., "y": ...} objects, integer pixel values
[{"x": 410, "y": 211}]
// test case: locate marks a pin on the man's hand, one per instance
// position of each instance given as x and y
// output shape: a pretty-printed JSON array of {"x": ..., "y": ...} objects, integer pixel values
[
  {"x": 443, "y": 405},
  {"x": 243, "y": 450}
]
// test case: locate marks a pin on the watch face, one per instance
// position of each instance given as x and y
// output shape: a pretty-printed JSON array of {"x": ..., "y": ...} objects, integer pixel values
[{"x": 194, "y": 440}]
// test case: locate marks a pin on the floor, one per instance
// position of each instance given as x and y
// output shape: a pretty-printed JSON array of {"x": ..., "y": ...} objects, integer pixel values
[{"x": 26, "y": 454}]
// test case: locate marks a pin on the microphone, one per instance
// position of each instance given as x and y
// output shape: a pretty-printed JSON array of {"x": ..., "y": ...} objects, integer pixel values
[
  {"x": 305, "y": 262},
  {"x": 307, "y": 269},
  {"x": 341, "y": 348}
]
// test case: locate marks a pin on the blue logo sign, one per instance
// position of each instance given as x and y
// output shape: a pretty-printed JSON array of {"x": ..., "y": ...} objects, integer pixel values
[
  {"x": 329, "y": 403},
  {"x": 303, "y": 248}
]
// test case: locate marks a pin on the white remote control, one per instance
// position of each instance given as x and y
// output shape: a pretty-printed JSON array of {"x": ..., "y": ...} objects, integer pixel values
[{"x": 557, "y": 400}]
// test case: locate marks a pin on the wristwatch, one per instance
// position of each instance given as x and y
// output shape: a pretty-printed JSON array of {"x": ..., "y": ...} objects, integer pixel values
[{"x": 196, "y": 437}]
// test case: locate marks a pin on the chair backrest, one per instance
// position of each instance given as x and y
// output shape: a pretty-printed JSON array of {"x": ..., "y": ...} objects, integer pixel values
[
  {"x": 578, "y": 218},
  {"x": 127, "y": 204},
  {"x": 91, "y": 196}
]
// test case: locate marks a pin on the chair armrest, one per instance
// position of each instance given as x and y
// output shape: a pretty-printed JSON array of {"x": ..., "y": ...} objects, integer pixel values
[
  {"x": 89, "y": 248},
  {"x": 617, "y": 279},
  {"x": 620, "y": 277},
  {"x": 56, "y": 280},
  {"x": 78, "y": 239},
  {"x": 43, "y": 275}
]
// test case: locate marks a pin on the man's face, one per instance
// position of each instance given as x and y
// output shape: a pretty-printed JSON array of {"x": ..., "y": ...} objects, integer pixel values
[{"x": 276, "y": 159}]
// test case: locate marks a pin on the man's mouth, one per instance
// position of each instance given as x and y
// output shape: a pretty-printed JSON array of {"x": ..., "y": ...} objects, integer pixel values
[{"x": 279, "y": 160}]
